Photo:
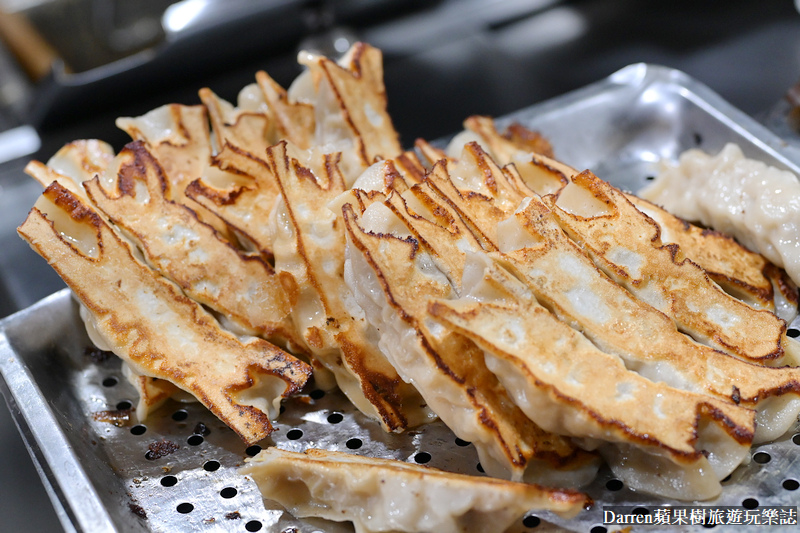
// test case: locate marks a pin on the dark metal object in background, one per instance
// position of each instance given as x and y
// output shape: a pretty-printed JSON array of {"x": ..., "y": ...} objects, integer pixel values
[{"x": 115, "y": 51}]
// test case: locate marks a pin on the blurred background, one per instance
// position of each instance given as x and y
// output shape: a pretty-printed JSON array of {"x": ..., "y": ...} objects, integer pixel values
[{"x": 68, "y": 68}]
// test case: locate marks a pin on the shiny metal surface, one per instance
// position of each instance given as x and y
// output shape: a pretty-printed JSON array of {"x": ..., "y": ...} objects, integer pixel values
[{"x": 101, "y": 477}]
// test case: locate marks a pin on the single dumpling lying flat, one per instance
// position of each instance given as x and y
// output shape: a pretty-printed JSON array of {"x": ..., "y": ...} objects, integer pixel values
[
  {"x": 748, "y": 199},
  {"x": 381, "y": 495}
]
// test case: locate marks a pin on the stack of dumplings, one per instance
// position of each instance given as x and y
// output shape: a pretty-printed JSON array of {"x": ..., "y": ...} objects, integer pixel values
[{"x": 230, "y": 252}]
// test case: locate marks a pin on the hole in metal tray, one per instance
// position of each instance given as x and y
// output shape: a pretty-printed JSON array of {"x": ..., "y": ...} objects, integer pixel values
[{"x": 179, "y": 466}]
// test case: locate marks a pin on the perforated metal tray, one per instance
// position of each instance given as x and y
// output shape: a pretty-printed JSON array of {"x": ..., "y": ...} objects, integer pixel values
[{"x": 105, "y": 474}]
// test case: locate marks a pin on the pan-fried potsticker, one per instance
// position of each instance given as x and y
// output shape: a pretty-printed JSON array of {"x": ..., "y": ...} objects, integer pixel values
[
  {"x": 539, "y": 253},
  {"x": 392, "y": 277},
  {"x": 625, "y": 243},
  {"x": 368, "y": 492},
  {"x": 149, "y": 322},
  {"x": 742, "y": 273},
  {"x": 689, "y": 441}
]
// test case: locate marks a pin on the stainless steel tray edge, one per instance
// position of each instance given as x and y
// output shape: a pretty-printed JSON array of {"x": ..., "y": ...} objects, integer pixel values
[
  {"x": 633, "y": 82},
  {"x": 71, "y": 493}
]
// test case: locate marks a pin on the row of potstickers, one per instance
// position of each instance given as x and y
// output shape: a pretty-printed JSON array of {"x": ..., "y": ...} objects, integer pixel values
[
  {"x": 536, "y": 310},
  {"x": 579, "y": 311},
  {"x": 204, "y": 256}
]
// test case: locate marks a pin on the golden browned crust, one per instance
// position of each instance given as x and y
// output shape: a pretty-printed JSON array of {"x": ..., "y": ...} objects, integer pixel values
[
  {"x": 638, "y": 329},
  {"x": 471, "y": 270},
  {"x": 208, "y": 268},
  {"x": 185, "y": 149},
  {"x": 339, "y": 341},
  {"x": 361, "y": 95},
  {"x": 150, "y": 323},
  {"x": 245, "y": 202},
  {"x": 740, "y": 272},
  {"x": 179, "y": 138},
  {"x": 294, "y": 121},
  {"x": 653, "y": 414},
  {"x": 74, "y": 163},
  {"x": 249, "y": 132},
  {"x": 516, "y": 139},
  {"x": 451, "y": 362},
  {"x": 662, "y": 276}
]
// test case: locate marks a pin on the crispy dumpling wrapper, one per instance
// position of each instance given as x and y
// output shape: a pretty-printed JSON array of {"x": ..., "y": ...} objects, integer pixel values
[
  {"x": 423, "y": 281},
  {"x": 310, "y": 246},
  {"x": 134, "y": 194},
  {"x": 246, "y": 129},
  {"x": 740, "y": 272},
  {"x": 725, "y": 369},
  {"x": 437, "y": 225},
  {"x": 665, "y": 356},
  {"x": 73, "y": 164},
  {"x": 619, "y": 323},
  {"x": 516, "y": 143},
  {"x": 242, "y": 192},
  {"x": 626, "y": 245},
  {"x": 331, "y": 108},
  {"x": 482, "y": 195},
  {"x": 382, "y": 495},
  {"x": 294, "y": 120},
  {"x": 153, "y": 392},
  {"x": 392, "y": 278},
  {"x": 348, "y": 102},
  {"x": 155, "y": 328},
  {"x": 614, "y": 320},
  {"x": 530, "y": 241},
  {"x": 353, "y": 86},
  {"x": 179, "y": 138},
  {"x": 550, "y": 371}
]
